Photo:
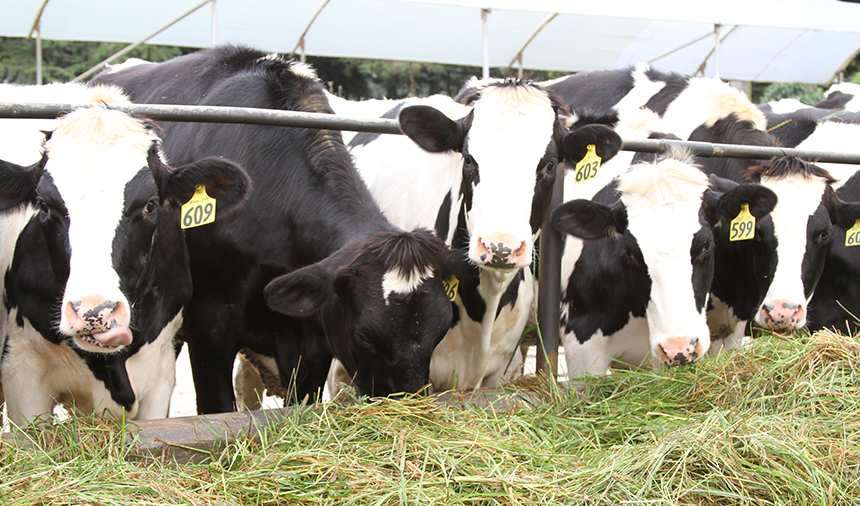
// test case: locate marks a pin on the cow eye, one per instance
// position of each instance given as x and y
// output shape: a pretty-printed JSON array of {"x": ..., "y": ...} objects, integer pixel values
[
  {"x": 549, "y": 168},
  {"x": 823, "y": 236},
  {"x": 150, "y": 206},
  {"x": 44, "y": 208}
]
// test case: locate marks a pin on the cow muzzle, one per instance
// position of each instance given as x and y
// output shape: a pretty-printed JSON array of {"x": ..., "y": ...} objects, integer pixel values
[
  {"x": 98, "y": 325},
  {"x": 502, "y": 251},
  {"x": 783, "y": 315},
  {"x": 680, "y": 350}
]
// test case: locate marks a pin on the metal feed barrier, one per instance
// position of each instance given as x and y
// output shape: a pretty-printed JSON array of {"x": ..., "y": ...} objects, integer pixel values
[{"x": 549, "y": 289}]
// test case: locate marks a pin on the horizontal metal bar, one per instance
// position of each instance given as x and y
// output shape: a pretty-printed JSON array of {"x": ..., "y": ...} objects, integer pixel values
[
  {"x": 737, "y": 150},
  {"x": 215, "y": 114},
  {"x": 248, "y": 115}
]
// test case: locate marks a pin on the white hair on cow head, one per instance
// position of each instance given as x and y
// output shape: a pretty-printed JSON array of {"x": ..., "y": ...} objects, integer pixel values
[
  {"x": 672, "y": 179},
  {"x": 97, "y": 122},
  {"x": 515, "y": 97}
]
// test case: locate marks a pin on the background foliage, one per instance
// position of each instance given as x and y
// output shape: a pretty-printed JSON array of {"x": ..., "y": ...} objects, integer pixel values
[{"x": 350, "y": 78}]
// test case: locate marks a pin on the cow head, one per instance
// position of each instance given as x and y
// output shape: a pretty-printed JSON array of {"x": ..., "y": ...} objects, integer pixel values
[
  {"x": 381, "y": 303},
  {"x": 108, "y": 209},
  {"x": 510, "y": 146},
  {"x": 657, "y": 237},
  {"x": 801, "y": 223}
]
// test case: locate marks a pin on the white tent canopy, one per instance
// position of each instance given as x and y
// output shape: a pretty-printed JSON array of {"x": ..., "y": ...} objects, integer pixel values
[{"x": 806, "y": 41}]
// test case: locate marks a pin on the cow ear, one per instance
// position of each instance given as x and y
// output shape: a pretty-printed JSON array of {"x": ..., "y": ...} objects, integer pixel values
[
  {"x": 18, "y": 183},
  {"x": 432, "y": 130},
  {"x": 588, "y": 220},
  {"x": 225, "y": 181},
  {"x": 843, "y": 214},
  {"x": 726, "y": 205},
  {"x": 606, "y": 143},
  {"x": 301, "y": 292}
]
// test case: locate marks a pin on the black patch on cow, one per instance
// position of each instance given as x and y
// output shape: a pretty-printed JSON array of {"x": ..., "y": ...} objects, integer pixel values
[
  {"x": 443, "y": 217},
  {"x": 702, "y": 258},
  {"x": 509, "y": 298},
  {"x": 730, "y": 130},
  {"x": 365, "y": 138},
  {"x": 834, "y": 100},
  {"x": 595, "y": 92},
  {"x": 610, "y": 282},
  {"x": 675, "y": 84}
]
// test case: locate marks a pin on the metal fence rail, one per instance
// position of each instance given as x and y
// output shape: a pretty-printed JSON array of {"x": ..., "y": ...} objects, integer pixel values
[
  {"x": 247, "y": 115},
  {"x": 550, "y": 261}
]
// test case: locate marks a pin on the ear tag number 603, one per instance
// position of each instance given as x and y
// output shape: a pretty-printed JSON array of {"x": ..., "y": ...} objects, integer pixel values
[
  {"x": 743, "y": 226},
  {"x": 587, "y": 168},
  {"x": 200, "y": 210}
]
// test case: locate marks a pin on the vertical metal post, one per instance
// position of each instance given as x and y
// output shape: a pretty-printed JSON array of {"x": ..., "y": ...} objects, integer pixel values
[
  {"x": 38, "y": 54},
  {"x": 717, "y": 51},
  {"x": 214, "y": 28},
  {"x": 520, "y": 69},
  {"x": 549, "y": 286},
  {"x": 486, "y": 68}
]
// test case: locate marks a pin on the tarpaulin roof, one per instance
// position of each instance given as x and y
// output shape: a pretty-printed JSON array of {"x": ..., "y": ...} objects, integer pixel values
[{"x": 806, "y": 41}]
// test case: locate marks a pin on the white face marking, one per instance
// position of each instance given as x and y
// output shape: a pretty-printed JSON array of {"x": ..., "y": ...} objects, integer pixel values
[
  {"x": 510, "y": 132},
  {"x": 395, "y": 281},
  {"x": 92, "y": 155},
  {"x": 797, "y": 199},
  {"x": 663, "y": 203}
]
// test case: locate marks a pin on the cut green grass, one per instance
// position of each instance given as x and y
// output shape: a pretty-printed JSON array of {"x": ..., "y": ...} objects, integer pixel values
[{"x": 772, "y": 423}]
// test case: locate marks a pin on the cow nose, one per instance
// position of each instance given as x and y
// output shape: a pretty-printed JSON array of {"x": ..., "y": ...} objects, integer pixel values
[
  {"x": 105, "y": 321},
  {"x": 502, "y": 251},
  {"x": 782, "y": 315},
  {"x": 680, "y": 350}
]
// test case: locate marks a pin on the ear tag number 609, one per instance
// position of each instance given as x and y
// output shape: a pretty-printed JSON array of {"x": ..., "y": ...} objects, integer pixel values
[
  {"x": 852, "y": 236},
  {"x": 451, "y": 284},
  {"x": 587, "y": 167},
  {"x": 743, "y": 226},
  {"x": 200, "y": 210}
]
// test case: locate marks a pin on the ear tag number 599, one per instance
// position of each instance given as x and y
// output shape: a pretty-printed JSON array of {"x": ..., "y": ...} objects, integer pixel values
[
  {"x": 852, "y": 236},
  {"x": 743, "y": 226},
  {"x": 200, "y": 210},
  {"x": 587, "y": 167}
]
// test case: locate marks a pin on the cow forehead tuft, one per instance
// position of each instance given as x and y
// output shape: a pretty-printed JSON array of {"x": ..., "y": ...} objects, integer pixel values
[
  {"x": 667, "y": 182},
  {"x": 85, "y": 125},
  {"x": 519, "y": 97}
]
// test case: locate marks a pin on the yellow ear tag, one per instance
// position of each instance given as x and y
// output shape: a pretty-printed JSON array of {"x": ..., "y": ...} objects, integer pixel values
[
  {"x": 852, "y": 236},
  {"x": 587, "y": 167},
  {"x": 451, "y": 284},
  {"x": 200, "y": 210},
  {"x": 743, "y": 226}
]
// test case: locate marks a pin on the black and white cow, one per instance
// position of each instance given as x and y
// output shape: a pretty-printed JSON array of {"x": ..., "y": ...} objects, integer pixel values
[
  {"x": 844, "y": 96},
  {"x": 480, "y": 172},
  {"x": 638, "y": 267},
  {"x": 763, "y": 278},
  {"x": 836, "y": 300},
  {"x": 310, "y": 241},
  {"x": 95, "y": 262}
]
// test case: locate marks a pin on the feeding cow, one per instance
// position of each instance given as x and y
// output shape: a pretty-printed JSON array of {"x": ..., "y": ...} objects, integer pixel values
[
  {"x": 639, "y": 261},
  {"x": 836, "y": 300},
  {"x": 480, "y": 173},
  {"x": 97, "y": 272},
  {"x": 310, "y": 241}
]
